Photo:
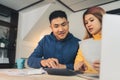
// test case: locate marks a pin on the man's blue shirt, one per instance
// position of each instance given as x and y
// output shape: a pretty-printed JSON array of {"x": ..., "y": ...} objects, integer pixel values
[{"x": 49, "y": 47}]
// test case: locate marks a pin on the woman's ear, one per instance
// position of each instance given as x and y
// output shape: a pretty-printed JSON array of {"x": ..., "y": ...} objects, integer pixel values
[{"x": 50, "y": 25}]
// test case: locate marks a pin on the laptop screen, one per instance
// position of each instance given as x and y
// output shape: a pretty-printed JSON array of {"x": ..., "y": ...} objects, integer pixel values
[{"x": 110, "y": 50}]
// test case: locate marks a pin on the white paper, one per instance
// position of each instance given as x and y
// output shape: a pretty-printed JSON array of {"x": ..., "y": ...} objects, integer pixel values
[
  {"x": 91, "y": 50},
  {"x": 23, "y": 72},
  {"x": 37, "y": 71}
]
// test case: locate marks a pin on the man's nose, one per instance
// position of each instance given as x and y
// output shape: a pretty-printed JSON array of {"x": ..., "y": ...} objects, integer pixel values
[{"x": 60, "y": 28}]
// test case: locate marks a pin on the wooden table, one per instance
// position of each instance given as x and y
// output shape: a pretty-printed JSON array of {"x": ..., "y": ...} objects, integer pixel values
[{"x": 10, "y": 74}]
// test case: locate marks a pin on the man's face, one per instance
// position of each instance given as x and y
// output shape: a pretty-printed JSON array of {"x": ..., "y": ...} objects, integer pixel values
[{"x": 60, "y": 27}]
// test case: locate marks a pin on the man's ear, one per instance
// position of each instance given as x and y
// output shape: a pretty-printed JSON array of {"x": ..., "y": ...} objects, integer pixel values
[
  {"x": 50, "y": 26},
  {"x": 68, "y": 22}
]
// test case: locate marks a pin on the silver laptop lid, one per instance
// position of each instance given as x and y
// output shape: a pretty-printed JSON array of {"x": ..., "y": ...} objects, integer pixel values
[{"x": 110, "y": 52}]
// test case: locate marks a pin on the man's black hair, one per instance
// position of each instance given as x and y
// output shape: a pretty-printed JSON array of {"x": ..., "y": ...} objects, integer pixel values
[{"x": 56, "y": 14}]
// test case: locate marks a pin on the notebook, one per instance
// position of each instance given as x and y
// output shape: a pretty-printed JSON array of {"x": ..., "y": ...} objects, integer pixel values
[{"x": 110, "y": 48}]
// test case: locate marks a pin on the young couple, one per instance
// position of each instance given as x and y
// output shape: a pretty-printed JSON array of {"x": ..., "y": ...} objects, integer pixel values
[{"x": 60, "y": 49}]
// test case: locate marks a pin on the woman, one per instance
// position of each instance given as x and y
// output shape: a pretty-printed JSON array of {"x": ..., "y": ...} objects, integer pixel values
[{"x": 90, "y": 46}]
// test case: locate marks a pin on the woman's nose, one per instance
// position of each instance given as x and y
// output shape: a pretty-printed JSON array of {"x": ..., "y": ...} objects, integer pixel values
[{"x": 89, "y": 24}]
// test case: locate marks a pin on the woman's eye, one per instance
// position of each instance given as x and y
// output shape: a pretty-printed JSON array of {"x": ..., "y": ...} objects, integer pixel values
[{"x": 92, "y": 20}]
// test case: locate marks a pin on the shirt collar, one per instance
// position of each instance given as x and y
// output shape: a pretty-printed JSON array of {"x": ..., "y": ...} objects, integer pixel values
[{"x": 97, "y": 36}]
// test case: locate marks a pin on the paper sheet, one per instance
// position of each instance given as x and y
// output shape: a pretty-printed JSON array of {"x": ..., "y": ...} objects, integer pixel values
[
  {"x": 91, "y": 50},
  {"x": 23, "y": 72}
]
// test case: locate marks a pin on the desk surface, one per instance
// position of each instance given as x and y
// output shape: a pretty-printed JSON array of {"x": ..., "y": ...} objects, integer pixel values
[{"x": 6, "y": 76}]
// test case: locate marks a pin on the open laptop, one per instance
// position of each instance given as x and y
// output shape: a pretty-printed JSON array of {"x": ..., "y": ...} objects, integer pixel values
[
  {"x": 110, "y": 49},
  {"x": 60, "y": 72}
]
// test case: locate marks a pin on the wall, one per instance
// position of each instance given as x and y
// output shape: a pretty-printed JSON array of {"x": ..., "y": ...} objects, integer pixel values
[
  {"x": 31, "y": 29},
  {"x": 33, "y": 25},
  {"x": 76, "y": 23}
]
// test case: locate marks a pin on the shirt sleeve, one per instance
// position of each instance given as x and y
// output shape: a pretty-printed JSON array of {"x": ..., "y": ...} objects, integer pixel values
[
  {"x": 79, "y": 57},
  {"x": 70, "y": 66},
  {"x": 36, "y": 56}
]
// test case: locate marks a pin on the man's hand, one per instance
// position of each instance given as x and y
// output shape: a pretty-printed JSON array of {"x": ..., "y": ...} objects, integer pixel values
[
  {"x": 52, "y": 63},
  {"x": 96, "y": 65},
  {"x": 61, "y": 66}
]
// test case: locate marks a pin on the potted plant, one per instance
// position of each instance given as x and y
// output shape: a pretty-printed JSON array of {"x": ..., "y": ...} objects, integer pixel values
[
  {"x": 3, "y": 42},
  {"x": 4, "y": 38}
]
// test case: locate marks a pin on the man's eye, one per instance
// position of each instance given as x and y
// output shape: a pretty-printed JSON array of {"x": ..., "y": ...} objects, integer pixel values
[
  {"x": 64, "y": 24},
  {"x": 55, "y": 26}
]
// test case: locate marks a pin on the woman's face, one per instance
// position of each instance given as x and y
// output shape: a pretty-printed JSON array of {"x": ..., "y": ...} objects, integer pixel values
[{"x": 92, "y": 24}]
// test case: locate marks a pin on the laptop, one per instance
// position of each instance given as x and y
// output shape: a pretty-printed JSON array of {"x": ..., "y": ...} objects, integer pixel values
[
  {"x": 68, "y": 72},
  {"x": 110, "y": 48},
  {"x": 60, "y": 72}
]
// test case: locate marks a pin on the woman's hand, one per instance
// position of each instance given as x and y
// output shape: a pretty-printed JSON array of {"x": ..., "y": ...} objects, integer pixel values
[
  {"x": 96, "y": 65},
  {"x": 80, "y": 67}
]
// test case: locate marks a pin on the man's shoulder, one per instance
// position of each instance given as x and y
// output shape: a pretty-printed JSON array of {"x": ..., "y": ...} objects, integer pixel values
[
  {"x": 48, "y": 37},
  {"x": 77, "y": 39},
  {"x": 45, "y": 36},
  {"x": 73, "y": 37}
]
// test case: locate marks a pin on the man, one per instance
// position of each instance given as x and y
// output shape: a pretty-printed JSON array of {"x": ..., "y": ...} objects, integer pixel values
[{"x": 57, "y": 50}]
